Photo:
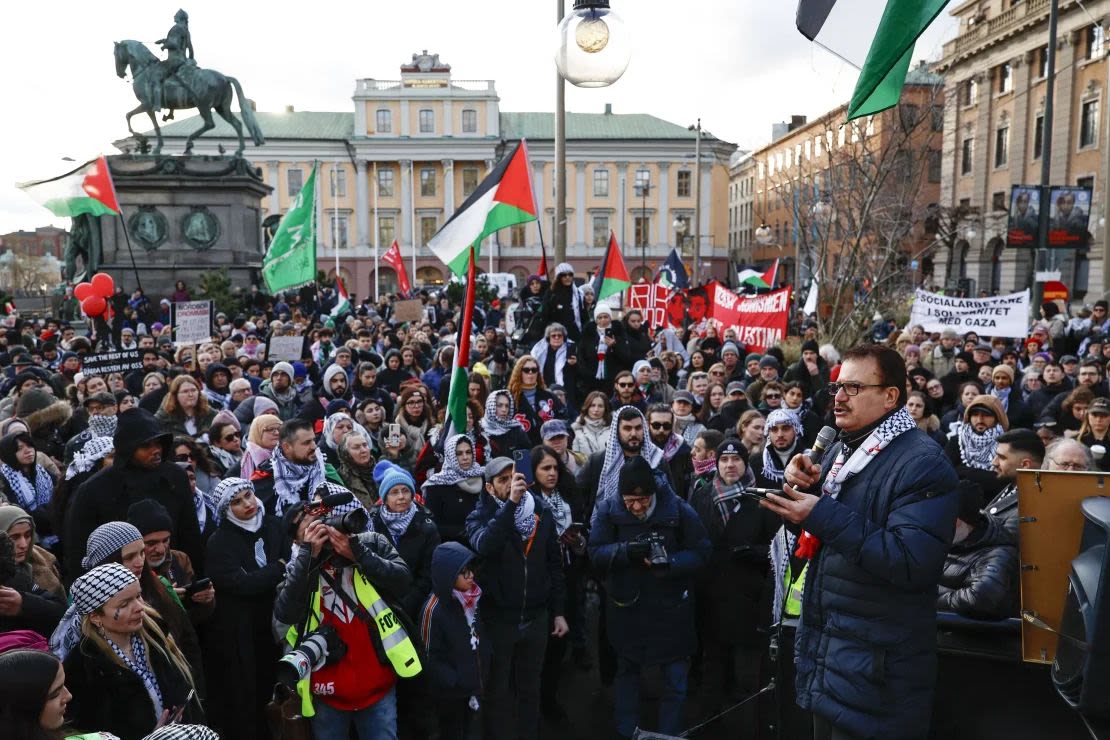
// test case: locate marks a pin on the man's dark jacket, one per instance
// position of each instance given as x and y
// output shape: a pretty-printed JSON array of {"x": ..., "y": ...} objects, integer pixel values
[
  {"x": 866, "y": 642},
  {"x": 980, "y": 579},
  {"x": 107, "y": 495}
]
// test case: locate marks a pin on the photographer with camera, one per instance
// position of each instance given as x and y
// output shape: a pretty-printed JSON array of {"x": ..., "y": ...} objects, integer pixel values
[
  {"x": 349, "y": 637},
  {"x": 648, "y": 544}
]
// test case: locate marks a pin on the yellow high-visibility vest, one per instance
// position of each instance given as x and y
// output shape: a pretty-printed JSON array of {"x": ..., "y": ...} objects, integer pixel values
[
  {"x": 794, "y": 588},
  {"x": 398, "y": 647}
]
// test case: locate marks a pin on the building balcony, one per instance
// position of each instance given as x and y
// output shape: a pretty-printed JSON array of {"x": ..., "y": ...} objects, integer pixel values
[
  {"x": 368, "y": 86},
  {"x": 992, "y": 29}
]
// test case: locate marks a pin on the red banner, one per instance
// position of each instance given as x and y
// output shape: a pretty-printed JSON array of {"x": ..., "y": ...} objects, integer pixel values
[
  {"x": 392, "y": 257},
  {"x": 760, "y": 320},
  {"x": 650, "y": 299}
]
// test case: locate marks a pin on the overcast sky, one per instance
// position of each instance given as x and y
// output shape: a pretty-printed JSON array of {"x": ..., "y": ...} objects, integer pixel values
[{"x": 738, "y": 64}]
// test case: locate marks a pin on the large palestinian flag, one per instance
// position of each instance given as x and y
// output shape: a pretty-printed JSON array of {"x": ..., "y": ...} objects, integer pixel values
[
  {"x": 455, "y": 423},
  {"x": 613, "y": 277},
  {"x": 503, "y": 199},
  {"x": 87, "y": 189}
]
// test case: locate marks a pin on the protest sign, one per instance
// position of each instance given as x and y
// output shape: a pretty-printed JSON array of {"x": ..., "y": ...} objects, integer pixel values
[
  {"x": 650, "y": 299},
  {"x": 760, "y": 321},
  {"x": 284, "y": 348},
  {"x": 998, "y": 316},
  {"x": 192, "y": 322},
  {"x": 112, "y": 362},
  {"x": 412, "y": 310}
]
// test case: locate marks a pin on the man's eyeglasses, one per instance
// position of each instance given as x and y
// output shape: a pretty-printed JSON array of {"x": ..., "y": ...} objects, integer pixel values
[
  {"x": 529, "y": 370},
  {"x": 624, "y": 385},
  {"x": 1067, "y": 465},
  {"x": 662, "y": 426},
  {"x": 850, "y": 388},
  {"x": 184, "y": 457}
]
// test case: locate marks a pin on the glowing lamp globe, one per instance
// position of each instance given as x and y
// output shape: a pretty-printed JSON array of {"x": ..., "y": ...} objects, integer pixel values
[
  {"x": 763, "y": 235},
  {"x": 592, "y": 48}
]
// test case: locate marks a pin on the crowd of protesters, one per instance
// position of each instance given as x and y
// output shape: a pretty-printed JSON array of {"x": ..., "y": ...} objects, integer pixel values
[{"x": 170, "y": 532}]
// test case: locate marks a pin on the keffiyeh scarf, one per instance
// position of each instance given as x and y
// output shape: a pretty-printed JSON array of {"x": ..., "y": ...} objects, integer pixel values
[
  {"x": 772, "y": 465},
  {"x": 397, "y": 523},
  {"x": 540, "y": 350},
  {"x": 451, "y": 473},
  {"x": 291, "y": 478},
  {"x": 977, "y": 450},
  {"x": 30, "y": 496},
  {"x": 103, "y": 426},
  {"x": 846, "y": 466},
  {"x": 609, "y": 482},
  {"x": 524, "y": 518},
  {"x": 183, "y": 732},
  {"x": 494, "y": 426},
  {"x": 137, "y": 663},
  {"x": 1003, "y": 396},
  {"x": 559, "y": 509},
  {"x": 226, "y": 460},
  {"x": 93, "y": 451}
]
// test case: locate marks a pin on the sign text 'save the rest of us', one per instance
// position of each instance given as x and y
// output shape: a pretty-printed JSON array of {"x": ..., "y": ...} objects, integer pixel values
[{"x": 997, "y": 316}]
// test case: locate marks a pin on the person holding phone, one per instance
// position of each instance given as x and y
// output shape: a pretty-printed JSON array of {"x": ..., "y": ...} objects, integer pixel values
[{"x": 524, "y": 599}]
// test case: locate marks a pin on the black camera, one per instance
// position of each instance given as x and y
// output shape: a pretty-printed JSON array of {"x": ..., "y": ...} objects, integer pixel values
[
  {"x": 349, "y": 522},
  {"x": 656, "y": 548},
  {"x": 317, "y": 649}
]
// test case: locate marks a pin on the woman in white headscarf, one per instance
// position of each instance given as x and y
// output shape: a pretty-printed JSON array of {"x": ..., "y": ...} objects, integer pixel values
[{"x": 451, "y": 494}]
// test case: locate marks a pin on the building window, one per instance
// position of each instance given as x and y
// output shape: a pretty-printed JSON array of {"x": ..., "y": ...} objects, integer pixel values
[
  {"x": 601, "y": 231},
  {"x": 934, "y": 165},
  {"x": 965, "y": 156},
  {"x": 684, "y": 179},
  {"x": 909, "y": 115},
  {"x": 427, "y": 182},
  {"x": 1086, "y": 182},
  {"x": 470, "y": 121},
  {"x": 643, "y": 180},
  {"x": 339, "y": 229},
  {"x": 387, "y": 230},
  {"x": 428, "y": 226},
  {"x": 294, "y": 180},
  {"x": 1038, "y": 137},
  {"x": 1096, "y": 41},
  {"x": 339, "y": 183},
  {"x": 641, "y": 232},
  {"x": 937, "y": 116},
  {"x": 1088, "y": 127},
  {"x": 516, "y": 235},
  {"x": 427, "y": 121},
  {"x": 469, "y": 181},
  {"x": 998, "y": 202},
  {"x": 385, "y": 121},
  {"x": 969, "y": 92},
  {"x": 1004, "y": 77},
  {"x": 1042, "y": 63},
  {"x": 385, "y": 183},
  {"x": 601, "y": 183},
  {"x": 1002, "y": 146}
]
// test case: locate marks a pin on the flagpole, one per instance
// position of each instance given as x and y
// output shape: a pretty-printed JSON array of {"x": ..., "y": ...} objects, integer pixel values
[
  {"x": 127, "y": 238},
  {"x": 377, "y": 245},
  {"x": 412, "y": 219},
  {"x": 335, "y": 213}
]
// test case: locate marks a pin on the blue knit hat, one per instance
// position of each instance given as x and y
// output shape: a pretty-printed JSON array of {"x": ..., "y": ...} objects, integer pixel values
[{"x": 391, "y": 476}]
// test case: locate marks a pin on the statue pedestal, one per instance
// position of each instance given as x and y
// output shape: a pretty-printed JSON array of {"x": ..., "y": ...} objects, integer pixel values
[{"x": 185, "y": 215}]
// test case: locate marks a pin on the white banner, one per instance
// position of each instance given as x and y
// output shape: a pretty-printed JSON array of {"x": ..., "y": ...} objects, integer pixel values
[
  {"x": 999, "y": 316},
  {"x": 192, "y": 322}
]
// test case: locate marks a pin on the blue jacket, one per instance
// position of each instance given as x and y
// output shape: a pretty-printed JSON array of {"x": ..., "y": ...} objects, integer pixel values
[
  {"x": 650, "y": 612},
  {"x": 520, "y": 581},
  {"x": 866, "y": 643}
]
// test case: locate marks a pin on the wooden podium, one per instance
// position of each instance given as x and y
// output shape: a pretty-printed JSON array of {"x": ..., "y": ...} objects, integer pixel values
[{"x": 1050, "y": 529}]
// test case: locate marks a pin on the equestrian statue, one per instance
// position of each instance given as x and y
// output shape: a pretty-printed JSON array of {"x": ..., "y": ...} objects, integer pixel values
[{"x": 177, "y": 83}]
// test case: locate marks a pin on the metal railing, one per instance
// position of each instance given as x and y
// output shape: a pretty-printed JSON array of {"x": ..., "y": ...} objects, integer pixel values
[
  {"x": 371, "y": 85},
  {"x": 1023, "y": 12}
]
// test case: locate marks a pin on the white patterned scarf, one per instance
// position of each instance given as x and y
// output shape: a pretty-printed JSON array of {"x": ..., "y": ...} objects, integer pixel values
[
  {"x": 31, "y": 496},
  {"x": 92, "y": 452},
  {"x": 291, "y": 478},
  {"x": 772, "y": 467},
  {"x": 451, "y": 473},
  {"x": 494, "y": 426},
  {"x": 397, "y": 522},
  {"x": 524, "y": 519},
  {"x": 977, "y": 450},
  {"x": 609, "y": 481}
]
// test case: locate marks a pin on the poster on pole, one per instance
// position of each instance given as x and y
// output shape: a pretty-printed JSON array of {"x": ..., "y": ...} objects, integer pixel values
[
  {"x": 997, "y": 316},
  {"x": 192, "y": 322},
  {"x": 1069, "y": 217},
  {"x": 1024, "y": 217},
  {"x": 288, "y": 349}
]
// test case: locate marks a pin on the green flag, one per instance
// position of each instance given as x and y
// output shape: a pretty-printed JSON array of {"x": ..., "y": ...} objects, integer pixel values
[{"x": 291, "y": 260}]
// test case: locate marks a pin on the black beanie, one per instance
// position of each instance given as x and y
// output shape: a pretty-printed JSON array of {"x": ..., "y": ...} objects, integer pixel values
[
  {"x": 637, "y": 478},
  {"x": 149, "y": 516},
  {"x": 810, "y": 344},
  {"x": 966, "y": 357}
]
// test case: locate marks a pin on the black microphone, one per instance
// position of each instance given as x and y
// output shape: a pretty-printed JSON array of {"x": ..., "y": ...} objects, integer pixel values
[
  {"x": 825, "y": 438},
  {"x": 336, "y": 499}
]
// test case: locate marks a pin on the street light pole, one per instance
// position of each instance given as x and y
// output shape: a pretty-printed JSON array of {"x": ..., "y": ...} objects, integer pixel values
[
  {"x": 1046, "y": 143},
  {"x": 560, "y": 156},
  {"x": 645, "y": 188},
  {"x": 697, "y": 206}
]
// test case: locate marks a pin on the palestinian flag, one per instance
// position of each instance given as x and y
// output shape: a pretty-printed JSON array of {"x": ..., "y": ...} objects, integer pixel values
[
  {"x": 875, "y": 36},
  {"x": 455, "y": 423},
  {"x": 87, "y": 189},
  {"x": 344, "y": 304},
  {"x": 613, "y": 277},
  {"x": 503, "y": 199},
  {"x": 754, "y": 279}
]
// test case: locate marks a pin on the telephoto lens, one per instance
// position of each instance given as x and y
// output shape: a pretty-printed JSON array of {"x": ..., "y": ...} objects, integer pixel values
[
  {"x": 316, "y": 650},
  {"x": 354, "y": 521}
]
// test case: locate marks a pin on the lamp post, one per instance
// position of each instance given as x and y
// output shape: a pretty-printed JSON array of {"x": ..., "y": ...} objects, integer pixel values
[
  {"x": 697, "y": 204},
  {"x": 644, "y": 188},
  {"x": 592, "y": 50},
  {"x": 680, "y": 228}
]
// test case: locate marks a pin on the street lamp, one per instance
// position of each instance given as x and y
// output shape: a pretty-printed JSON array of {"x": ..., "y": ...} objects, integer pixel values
[
  {"x": 592, "y": 48},
  {"x": 644, "y": 188},
  {"x": 679, "y": 226},
  {"x": 764, "y": 236}
]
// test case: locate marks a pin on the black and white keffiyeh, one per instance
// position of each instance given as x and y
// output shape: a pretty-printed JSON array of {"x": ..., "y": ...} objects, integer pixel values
[
  {"x": 397, "y": 522},
  {"x": 559, "y": 509},
  {"x": 91, "y": 453},
  {"x": 93, "y": 590},
  {"x": 845, "y": 467},
  {"x": 451, "y": 473},
  {"x": 291, "y": 478},
  {"x": 977, "y": 450},
  {"x": 772, "y": 466},
  {"x": 103, "y": 426},
  {"x": 494, "y": 426},
  {"x": 225, "y": 491},
  {"x": 106, "y": 540},
  {"x": 138, "y": 664},
  {"x": 29, "y": 495},
  {"x": 524, "y": 518},
  {"x": 540, "y": 350},
  {"x": 183, "y": 732},
  {"x": 609, "y": 482}
]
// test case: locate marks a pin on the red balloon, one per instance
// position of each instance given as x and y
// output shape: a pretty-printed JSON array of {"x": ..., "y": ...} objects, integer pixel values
[
  {"x": 83, "y": 291},
  {"x": 103, "y": 285},
  {"x": 94, "y": 306}
]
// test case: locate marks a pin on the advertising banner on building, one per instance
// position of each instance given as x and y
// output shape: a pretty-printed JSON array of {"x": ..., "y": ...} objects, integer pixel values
[
  {"x": 1025, "y": 208},
  {"x": 998, "y": 316}
]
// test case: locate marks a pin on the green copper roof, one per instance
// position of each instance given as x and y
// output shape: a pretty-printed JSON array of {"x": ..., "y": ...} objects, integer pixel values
[
  {"x": 535, "y": 126},
  {"x": 297, "y": 125},
  {"x": 538, "y": 126},
  {"x": 919, "y": 74}
]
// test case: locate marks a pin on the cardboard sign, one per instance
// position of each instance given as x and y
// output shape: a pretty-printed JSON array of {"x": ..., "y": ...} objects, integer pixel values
[
  {"x": 112, "y": 362},
  {"x": 998, "y": 316},
  {"x": 284, "y": 348},
  {"x": 192, "y": 322},
  {"x": 411, "y": 310}
]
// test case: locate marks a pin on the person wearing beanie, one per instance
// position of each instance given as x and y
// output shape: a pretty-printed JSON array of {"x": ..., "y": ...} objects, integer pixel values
[
  {"x": 49, "y": 420},
  {"x": 730, "y": 356},
  {"x": 769, "y": 370},
  {"x": 811, "y": 372},
  {"x": 598, "y": 363},
  {"x": 729, "y": 590},
  {"x": 125, "y": 672},
  {"x": 649, "y": 619},
  {"x": 564, "y": 304},
  {"x": 279, "y": 388},
  {"x": 963, "y": 370},
  {"x": 217, "y": 382},
  {"x": 635, "y": 340},
  {"x": 246, "y": 558},
  {"x": 31, "y": 592}
]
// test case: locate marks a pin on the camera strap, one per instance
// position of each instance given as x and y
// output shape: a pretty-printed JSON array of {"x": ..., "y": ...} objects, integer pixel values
[{"x": 359, "y": 610}]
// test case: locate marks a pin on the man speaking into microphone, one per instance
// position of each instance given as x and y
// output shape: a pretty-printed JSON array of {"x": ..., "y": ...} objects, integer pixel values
[{"x": 875, "y": 528}]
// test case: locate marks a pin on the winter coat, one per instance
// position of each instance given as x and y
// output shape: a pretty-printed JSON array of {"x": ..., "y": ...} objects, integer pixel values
[
  {"x": 980, "y": 579},
  {"x": 240, "y": 627},
  {"x": 107, "y": 495},
  {"x": 455, "y": 669},
  {"x": 520, "y": 580},
  {"x": 590, "y": 439},
  {"x": 650, "y": 612},
  {"x": 632, "y": 346},
  {"x": 44, "y": 601},
  {"x": 291, "y": 406},
  {"x": 939, "y": 361},
  {"x": 563, "y": 305},
  {"x": 531, "y": 417},
  {"x": 866, "y": 642},
  {"x": 587, "y": 359},
  {"x": 415, "y": 547},
  {"x": 450, "y": 506},
  {"x": 810, "y": 384},
  {"x": 111, "y": 698},
  {"x": 175, "y": 425},
  {"x": 986, "y": 479}
]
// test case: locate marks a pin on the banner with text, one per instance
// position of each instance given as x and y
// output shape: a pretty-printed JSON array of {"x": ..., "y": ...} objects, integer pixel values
[
  {"x": 650, "y": 299},
  {"x": 998, "y": 316},
  {"x": 192, "y": 322},
  {"x": 107, "y": 363},
  {"x": 760, "y": 320}
]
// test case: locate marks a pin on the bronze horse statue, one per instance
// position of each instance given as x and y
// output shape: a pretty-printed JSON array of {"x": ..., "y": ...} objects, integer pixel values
[{"x": 191, "y": 87}]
